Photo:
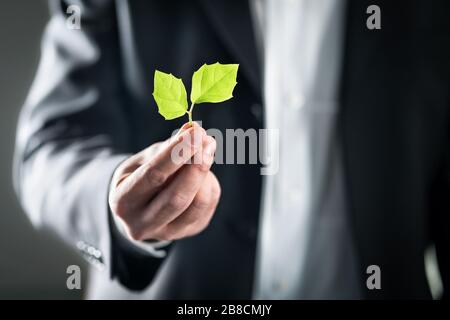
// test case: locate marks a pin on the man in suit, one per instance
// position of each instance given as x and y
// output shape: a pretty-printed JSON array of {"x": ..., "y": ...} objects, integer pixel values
[{"x": 364, "y": 163}]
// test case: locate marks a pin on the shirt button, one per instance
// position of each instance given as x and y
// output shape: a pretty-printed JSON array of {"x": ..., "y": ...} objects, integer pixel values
[
  {"x": 91, "y": 250},
  {"x": 296, "y": 101},
  {"x": 97, "y": 254}
]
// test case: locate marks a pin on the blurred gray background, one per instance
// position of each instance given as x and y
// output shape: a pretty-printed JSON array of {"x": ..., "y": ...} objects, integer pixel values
[{"x": 32, "y": 264}]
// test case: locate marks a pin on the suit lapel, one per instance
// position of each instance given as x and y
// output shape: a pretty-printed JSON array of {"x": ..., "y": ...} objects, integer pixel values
[{"x": 233, "y": 23}]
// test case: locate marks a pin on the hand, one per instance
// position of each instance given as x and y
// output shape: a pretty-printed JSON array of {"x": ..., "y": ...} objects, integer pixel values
[{"x": 159, "y": 195}]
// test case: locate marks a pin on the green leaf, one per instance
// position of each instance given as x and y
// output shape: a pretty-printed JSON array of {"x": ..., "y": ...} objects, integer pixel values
[
  {"x": 213, "y": 83},
  {"x": 170, "y": 95}
]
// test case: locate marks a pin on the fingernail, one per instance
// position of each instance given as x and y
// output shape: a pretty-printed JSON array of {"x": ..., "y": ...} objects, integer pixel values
[{"x": 185, "y": 126}]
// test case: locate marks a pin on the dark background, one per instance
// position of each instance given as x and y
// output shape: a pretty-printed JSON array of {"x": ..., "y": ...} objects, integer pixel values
[{"x": 32, "y": 264}]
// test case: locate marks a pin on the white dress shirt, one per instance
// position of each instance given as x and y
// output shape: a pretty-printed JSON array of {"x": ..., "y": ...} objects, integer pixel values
[{"x": 305, "y": 249}]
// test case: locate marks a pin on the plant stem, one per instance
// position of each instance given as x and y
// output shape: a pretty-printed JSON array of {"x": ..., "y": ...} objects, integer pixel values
[{"x": 190, "y": 113}]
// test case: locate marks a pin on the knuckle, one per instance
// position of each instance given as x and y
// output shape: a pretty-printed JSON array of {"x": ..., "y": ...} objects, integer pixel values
[
  {"x": 191, "y": 218},
  {"x": 155, "y": 177},
  {"x": 201, "y": 203},
  {"x": 178, "y": 202}
]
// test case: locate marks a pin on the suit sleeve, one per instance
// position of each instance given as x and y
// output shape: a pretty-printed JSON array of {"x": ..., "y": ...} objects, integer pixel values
[{"x": 72, "y": 134}]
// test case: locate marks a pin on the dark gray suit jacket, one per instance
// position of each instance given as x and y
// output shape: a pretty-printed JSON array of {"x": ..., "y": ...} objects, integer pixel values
[{"x": 91, "y": 106}]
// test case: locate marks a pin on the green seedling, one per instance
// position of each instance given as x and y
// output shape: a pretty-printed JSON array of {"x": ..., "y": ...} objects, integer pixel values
[{"x": 211, "y": 83}]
